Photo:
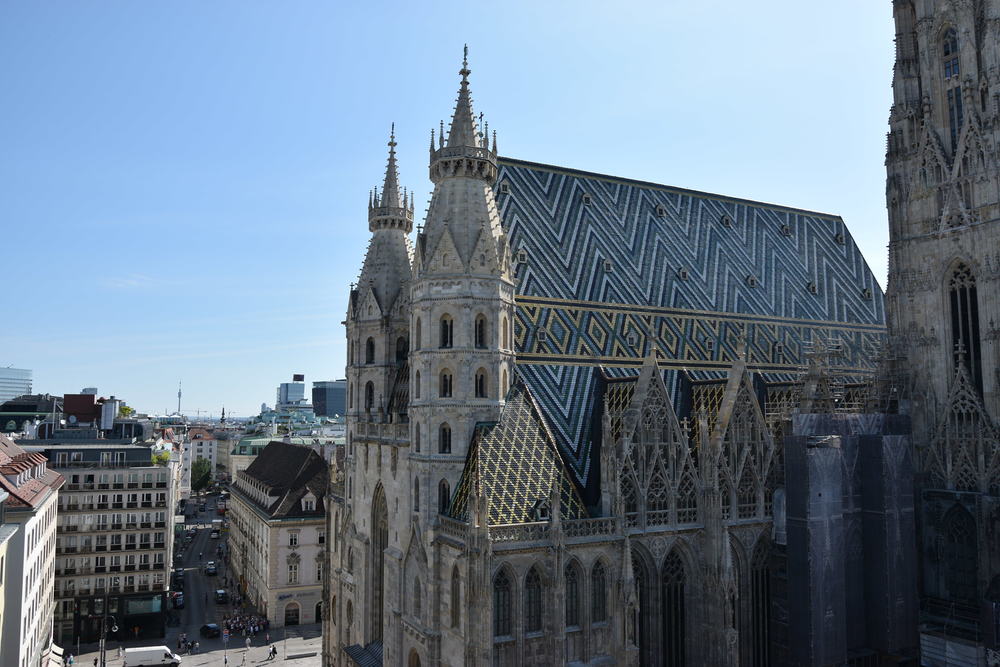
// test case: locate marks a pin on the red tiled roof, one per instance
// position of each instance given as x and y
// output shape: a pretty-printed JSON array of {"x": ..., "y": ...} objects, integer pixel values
[{"x": 13, "y": 461}]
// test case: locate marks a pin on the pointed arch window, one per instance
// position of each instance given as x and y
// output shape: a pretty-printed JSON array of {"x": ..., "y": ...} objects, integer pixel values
[
  {"x": 480, "y": 332},
  {"x": 416, "y": 494},
  {"x": 380, "y": 525},
  {"x": 760, "y": 606},
  {"x": 401, "y": 349},
  {"x": 598, "y": 594},
  {"x": 572, "y": 596},
  {"x": 369, "y": 396},
  {"x": 456, "y": 597},
  {"x": 953, "y": 92},
  {"x": 673, "y": 611},
  {"x": 506, "y": 333},
  {"x": 964, "y": 304},
  {"x": 444, "y": 439},
  {"x": 445, "y": 384},
  {"x": 501, "y": 605},
  {"x": 533, "y": 601},
  {"x": 370, "y": 351},
  {"x": 416, "y": 596},
  {"x": 416, "y": 384},
  {"x": 504, "y": 387},
  {"x": 444, "y": 496},
  {"x": 447, "y": 331},
  {"x": 481, "y": 383},
  {"x": 416, "y": 437},
  {"x": 418, "y": 335}
]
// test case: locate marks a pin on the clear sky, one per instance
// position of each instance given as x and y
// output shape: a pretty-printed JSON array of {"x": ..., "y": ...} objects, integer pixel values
[{"x": 183, "y": 184}]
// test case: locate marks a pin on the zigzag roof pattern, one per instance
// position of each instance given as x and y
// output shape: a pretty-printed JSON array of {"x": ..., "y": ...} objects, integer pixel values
[{"x": 616, "y": 268}]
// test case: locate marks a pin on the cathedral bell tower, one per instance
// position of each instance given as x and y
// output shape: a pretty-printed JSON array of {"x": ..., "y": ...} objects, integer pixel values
[
  {"x": 943, "y": 197},
  {"x": 462, "y": 310}
]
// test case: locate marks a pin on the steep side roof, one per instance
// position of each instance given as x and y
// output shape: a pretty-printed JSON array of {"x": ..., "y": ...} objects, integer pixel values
[
  {"x": 290, "y": 470},
  {"x": 514, "y": 465},
  {"x": 615, "y": 269},
  {"x": 15, "y": 460}
]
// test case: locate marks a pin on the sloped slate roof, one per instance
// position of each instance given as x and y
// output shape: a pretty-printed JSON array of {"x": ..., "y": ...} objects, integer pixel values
[
  {"x": 514, "y": 464},
  {"x": 290, "y": 470},
  {"x": 616, "y": 268}
]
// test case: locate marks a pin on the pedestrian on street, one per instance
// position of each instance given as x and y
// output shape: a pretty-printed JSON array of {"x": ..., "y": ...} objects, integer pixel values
[
  {"x": 69, "y": 661},
  {"x": 95, "y": 661},
  {"x": 248, "y": 643}
]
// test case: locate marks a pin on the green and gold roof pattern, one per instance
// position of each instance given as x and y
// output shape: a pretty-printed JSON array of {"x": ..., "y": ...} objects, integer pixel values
[{"x": 514, "y": 464}]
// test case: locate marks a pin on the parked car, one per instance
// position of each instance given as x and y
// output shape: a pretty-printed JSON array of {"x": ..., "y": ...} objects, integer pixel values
[
  {"x": 214, "y": 535},
  {"x": 179, "y": 601},
  {"x": 221, "y": 596},
  {"x": 210, "y": 630},
  {"x": 150, "y": 655},
  {"x": 210, "y": 569}
]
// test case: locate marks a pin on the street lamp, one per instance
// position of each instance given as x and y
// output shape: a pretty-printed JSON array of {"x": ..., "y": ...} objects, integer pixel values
[{"x": 104, "y": 623}]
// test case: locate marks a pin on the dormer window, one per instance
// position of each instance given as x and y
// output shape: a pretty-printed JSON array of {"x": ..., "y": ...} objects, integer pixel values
[
  {"x": 522, "y": 256},
  {"x": 840, "y": 238},
  {"x": 541, "y": 334},
  {"x": 751, "y": 281},
  {"x": 661, "y": 212},
  {"x": 866, "y": 294},
  {"x": 505, "y": 188},
  {"x": 609, "y": 266},
  {"x": 812, "y": 288},
  {"x": 682, "y": 273},
  {"x": 308, "y": 505},
  {"x": 786, "y": 230},
  {"x": 585, "y": 198},
  {"x": 726, "y": 221}
]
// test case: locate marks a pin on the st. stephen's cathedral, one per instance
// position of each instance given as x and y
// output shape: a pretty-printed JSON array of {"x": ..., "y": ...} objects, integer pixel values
[{"x": 598, "y": 421}]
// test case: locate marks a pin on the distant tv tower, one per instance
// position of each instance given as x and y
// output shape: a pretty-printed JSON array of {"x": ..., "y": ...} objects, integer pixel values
[{"x": 178, "y": 397}]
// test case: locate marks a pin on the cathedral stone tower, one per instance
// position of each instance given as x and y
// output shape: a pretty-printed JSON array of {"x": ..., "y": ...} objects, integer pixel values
[{"x": 944, "y": 205}]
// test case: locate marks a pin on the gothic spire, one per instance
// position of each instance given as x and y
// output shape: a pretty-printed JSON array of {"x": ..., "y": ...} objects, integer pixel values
[
  {"x": 463, "y": 124},
  {"x": 390, "y": 189}
]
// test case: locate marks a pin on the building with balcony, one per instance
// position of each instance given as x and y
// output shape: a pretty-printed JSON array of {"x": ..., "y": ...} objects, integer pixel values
[
  {"x": 27, "y": 568},
  {"x": 277, "y": 518},
  {"x": 115, "y": 537}
]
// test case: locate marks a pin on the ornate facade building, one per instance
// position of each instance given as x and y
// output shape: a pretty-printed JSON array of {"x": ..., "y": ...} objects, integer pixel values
[
  {"x": 943, "y": 195},
  {"x": 570, "y": 405}
]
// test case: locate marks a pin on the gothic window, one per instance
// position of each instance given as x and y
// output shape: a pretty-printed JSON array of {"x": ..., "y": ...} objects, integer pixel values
[
  {"x": 447, "y": 331},
  {"x": 506, "y": 334},
  {"x": 480, "y": 333},
  {"x": 629, "y": 495},
  {"x": 456, "y": 597},
  {"x": 416, "y": 437},
  {"x": 598, "y": 594},
  {"x": 445, "y": 384},
  {"x": 350, "y": 395},
  {"x": 503, "y": 384},
  {"x": 965, "y": 321},
  {"x": 369, "y": 397},
  {"x": 643, "y": 638},
  {"x": 370, "y": 351},
  {"x": 416, "y": 494},
  {"x": 950, "y": 48},
  {"x": 674, "y": 636},
  {"x": 501, "y": 605},
  {"x": 444, "y": 496},
  {"x": 401, "y": 348},
  {"x": 533, "y": 601},
  {"x": 380, "y": 539},
  {"x": 416, "y": 385},
  {"x": 760, "y": 607},
  {"x": 572, "y": 596},
  {"x": 416, "y": 597},
  {"x": 481, "y": 383},
  {"x": 418, "y": 336},
  {"x": 960, "y": 562},
  {"x": 444, "y": 439}
]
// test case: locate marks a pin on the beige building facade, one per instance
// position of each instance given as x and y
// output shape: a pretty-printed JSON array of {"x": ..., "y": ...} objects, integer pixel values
[{"x": 278, "y": 533}]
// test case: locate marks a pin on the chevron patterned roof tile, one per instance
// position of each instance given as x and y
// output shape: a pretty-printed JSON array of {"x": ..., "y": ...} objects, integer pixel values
[{"x": 736, "y": 268}]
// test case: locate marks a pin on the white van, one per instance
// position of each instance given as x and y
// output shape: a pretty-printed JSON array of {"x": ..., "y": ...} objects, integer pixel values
[{"x": 150, "y": 655}]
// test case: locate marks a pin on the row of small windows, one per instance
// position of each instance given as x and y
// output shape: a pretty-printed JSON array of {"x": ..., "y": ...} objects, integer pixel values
[
  {"x": 480, "y": 333},
  {"x": 446, "y": 384},
  {"x": 444, "y": 495},
  {"x": 534, "y": 600},
  {"x": 444, "y": 438}
]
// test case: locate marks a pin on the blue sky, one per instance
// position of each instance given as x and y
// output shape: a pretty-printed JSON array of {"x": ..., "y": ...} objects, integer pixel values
[{"x": 183, "y": 185}]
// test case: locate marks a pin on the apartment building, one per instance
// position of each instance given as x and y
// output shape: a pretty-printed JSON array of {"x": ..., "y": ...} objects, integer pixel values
[
  {"x": 27, "y": 568},
  {"x": 115, "y": 537},
  {"x": 277, "y": 519}
]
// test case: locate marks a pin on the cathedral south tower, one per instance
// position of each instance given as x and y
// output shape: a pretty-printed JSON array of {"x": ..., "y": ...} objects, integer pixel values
[{"x": 943, "y": 197}]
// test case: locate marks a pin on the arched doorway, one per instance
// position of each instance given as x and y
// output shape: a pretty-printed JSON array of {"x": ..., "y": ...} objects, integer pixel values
[
  {"x": 380, "y": 538},
  {"x": 414, "y": 660},
  {"x": 319, "y": 612},
  {"x": 292, "y": 613}
]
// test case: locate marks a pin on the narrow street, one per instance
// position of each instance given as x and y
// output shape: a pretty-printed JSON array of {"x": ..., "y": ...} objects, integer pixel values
[{"x": 299, "y": 646}]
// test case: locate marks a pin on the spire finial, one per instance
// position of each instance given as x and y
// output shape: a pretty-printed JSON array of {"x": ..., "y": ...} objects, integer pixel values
[
  {"x": 463, "y": 130},
  {"x": 465, "y": 62},
  {"x": 390, "y": 189}
]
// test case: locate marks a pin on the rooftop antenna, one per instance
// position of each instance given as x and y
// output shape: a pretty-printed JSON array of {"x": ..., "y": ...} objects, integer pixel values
[{"x": 178, "y": 397}]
